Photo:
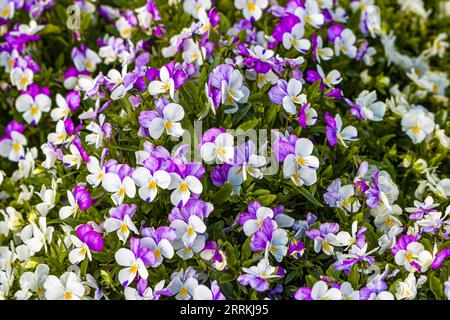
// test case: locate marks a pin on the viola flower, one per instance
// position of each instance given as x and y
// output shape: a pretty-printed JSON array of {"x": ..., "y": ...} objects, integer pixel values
[
  {"x": 63, "y": 109},
  {"x": 310, "y": 14},
  {"x": 164, "y": 85},
  {"x": 85, "y": 59},
  {"x": 121, "y": 221},
  {"x": 251, "y": 8},
  {"x": 99, "y": 132},
  {"x": 87, "y": 239},
  {"x": 124, "y": 27},
  {"x": 194, "y": 7},
  {"x": 32, "y": 283},
  {"x": 21, "y": 78},
  {"x": 257, "y": 276},
  {"x": 227, "y": 85},
  {"x": 12, "y": 147},
  {"x": 134, "y": 266},
  {"x": 202, "y": 292},
  {"x": 68, "y": 287},
  {"x": 221, "y": 149},
  {"x": 97, "y": 172},
  {"x": 345, "y": 43},
  {"x": 37, "y": 237},
  {"x": 80, "y": 199},
  {"x": 48, "y": 197},
  {"x": 270, "y": 239},
  {"x": 370, "y": 108},
  {"x": 295, "y": 39},
  {"x": 167, "y": 120},
  {"x": 143, "y": 292},
  {"x": 182, "y": 186},
  {"x": 293, "y": 97},
  {"x": 120, "y": 185},
  {"x": 341, "y": 197},
  {"x": 335, "y": 132},
  {"x": 319, "y": 291},
  {"x": 7, "y": 10},
  {"x": 60, "y": 136},
  {"x": 301, "y": 165},
  {"x": 187, "y": 231},
  {"x": 149, "y": 183},
  {"x": 159, "y": 241},
  {"x": 183, "y": 284},
  {"x": 422, "y": 208},
  {"x": 253, "y": 221},
  {"x": 417, "y": 124},
  {"x": 32, "y": 107},
  {"x": 261, "y": 78},
  {"x": 407, "y": 290},
  {"x": 246, "y": 162},
  {"x": 324, "y": 238},
  {"x": 320, "y": 52},
  {"x": 413, "y": 257},
  {"x": 193, "y": 52}
]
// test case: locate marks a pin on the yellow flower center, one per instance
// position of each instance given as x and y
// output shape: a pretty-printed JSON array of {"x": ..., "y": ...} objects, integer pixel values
[
  {"x": 34, "y": 110},
  {"x": 83, "y": 251},
  {"x": 16, "y": 147},
  {"x": 251, "y": 6},
  {"x": 415, "y": 130},
  {"x": 122, "y": 191},
  {"x": 221, "y": 151},
  {"x": 326, "y": 246},
  {"x": 152, "y": 185},
  {"x": 6, "y": 12},
  {"x": 190, "y": 231},
  {"x": 409, "y": 256},
  {"x": 134, "y": 269},
  {"x": 166, "y": 86},
  {"x": 157, "y": 253},
  {"x": 68, "y": 295},
  {"x": 301, "y": 161},
  {"x": 123, "y": 228},
  {"x": 168, "y": 125},
  {"x": 183, "y": 187},
  {"x": 24, "y": 81},
  {"x": 183, "y": 292}
]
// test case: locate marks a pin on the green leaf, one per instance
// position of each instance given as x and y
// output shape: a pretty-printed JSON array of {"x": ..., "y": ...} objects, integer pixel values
[
  {"x": 267, "y": 199},
  {"x": 353, "y": 276},
  {"x": 308, "y": 195},
  {"x": 223, "y": 194}
]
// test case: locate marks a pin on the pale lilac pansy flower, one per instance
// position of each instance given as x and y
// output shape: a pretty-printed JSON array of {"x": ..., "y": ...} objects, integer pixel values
[
  {"x": 335, "y": 132},
  {"x": 134, "y": 266},
  {"x": 221, "y": 149},
  {"x": 370, "y": 108},
  {"x": 159, "y": 240},
  {"x": 345, "y": 43},
  {"x": 310, "y": 13},
  {"x": 121, "y": 221},
  {"x": 119, "y": 185},
  {"x": 148, "y": 183},
  {"x": 20, "y": 78},
  {"x": 257, "y": 276},
  {"x": 85, "y": 59},
  {"x": 251, "y": 8},
  {"x": 32, "y": 107},
  {"x": 295, "y": 39},
  {"x": 12, "y": 147},
  {"x": 301, "y": 165},
  {"x": 68, "y": 287}
]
